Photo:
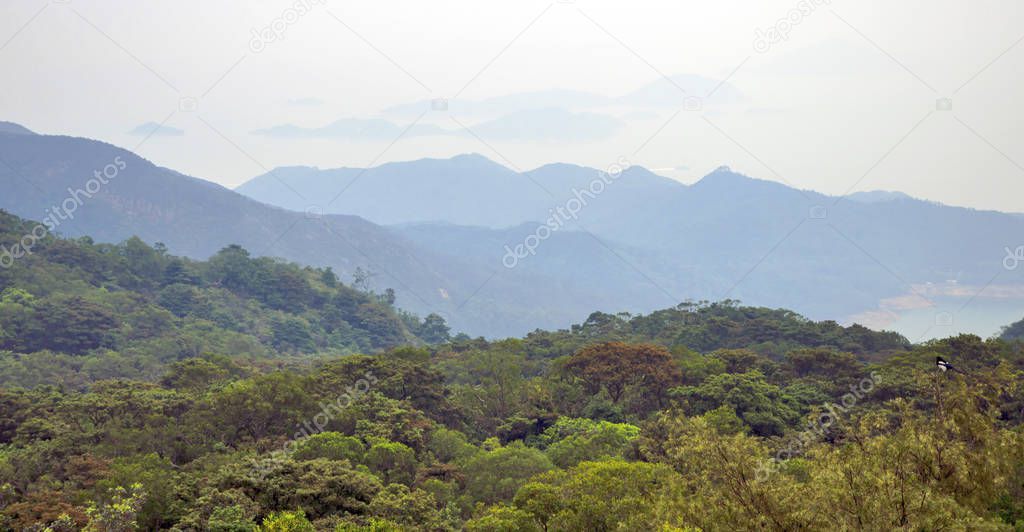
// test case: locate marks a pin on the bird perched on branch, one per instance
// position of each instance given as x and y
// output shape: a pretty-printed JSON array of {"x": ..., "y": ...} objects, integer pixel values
[{"x": 946, "y": 366}]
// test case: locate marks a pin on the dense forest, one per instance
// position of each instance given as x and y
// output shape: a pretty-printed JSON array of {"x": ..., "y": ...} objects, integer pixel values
[
  {"x": 88, "y": 312},
  {"x": 141, "y": 391}
]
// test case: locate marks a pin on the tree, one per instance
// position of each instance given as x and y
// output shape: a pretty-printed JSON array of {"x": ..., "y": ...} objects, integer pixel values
[
  {"x": 571, "y": 441},
  {"x": 392, "y": 462},
  {"x": 383, "y": 328},
  {"x": 153, "y": 476},
  {"x": 495, "y": 475},
  {"x": 696, "y": 367},
  {"x": 17, "y": 309},
  {"x": 725, "y": 421},
  {"x": 286, "y": 522},
  {"x": 503, "y": 518},
  {"x": 120, "y": 514},
  {"x": 230, "y": 519},
  {"x": 717, "y": 483},
  {"x": 328, "y": 277},
  {"x": 450, "y": 445},
  {"x": 220, "y": 509},
  {"x": 66, "y": 324},
  {"x": 388, "y": 297},
  {"x": 40, "y": 509},
  {"x": 259, "y": 407},
  {"x": 320, "y": 487},
  {"x": 180, "y": 299},
  {"x": 403, "y": 374},
  {"x": 147, "y": 322},
  {"x": 361, "y": 279},
  {"x": 969, "y": 351},
  {"x": 541, "y": 500},
  {"x": 374, "y": 417},
  {"x": 413, "y": 509},
  {"x": 831, "y": 370},
  {"x": 177, "y": 271},
  {"x": 331, "y": 446},
  {"x": 193, "y": 373},
  {"x": 285, "y": 288},
  {"x": 434, "y": 330},
  {"x": 232, "y": 269},
  {"x": 607, "y": 495},
  {"x": 291, "y": 334},
  {"x": 494, "y": 378},
  {"x": 763, "y": 406},
  {"x": 615, "y": 365},
  {"x": 740, "y": 360},
  {"x": 374, "y": 524},
  {"x": 142, "y": 260}
]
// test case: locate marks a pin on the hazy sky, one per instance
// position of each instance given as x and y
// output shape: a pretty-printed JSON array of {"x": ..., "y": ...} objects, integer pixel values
[{"x": 845, "y": 99}]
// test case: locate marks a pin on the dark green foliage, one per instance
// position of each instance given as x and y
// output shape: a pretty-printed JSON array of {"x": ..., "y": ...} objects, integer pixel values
[
  {"x": 65, "y": 324},
  {"x": 434, "y": 330},
  {"x": 182, "y": 300},
  {"x": 198, "y": 373},
  {"x": 392, "y": 462},
  {"x": 765, "y": 407},
  {"x": 382, "y": 326},
  {"x": 331, "y": 446},
  {"x": 320, "y": 487},
  {"x": 78, "y": 298},
  {"x": 495, "y": 475},
  {"x": 291, "y": 334},
  {"x": 706, "y": 327},
  {"x": 413, "y": 509}
]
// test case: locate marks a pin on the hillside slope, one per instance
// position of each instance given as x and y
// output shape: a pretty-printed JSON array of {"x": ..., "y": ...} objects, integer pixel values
[{"x": 96, "y": 311}]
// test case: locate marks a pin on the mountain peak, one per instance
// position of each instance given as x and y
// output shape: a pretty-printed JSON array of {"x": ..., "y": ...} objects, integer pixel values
[
  {"x": 472, "y": 161},
  {"x": 463, "y": 161},
  {"x": 472, "y": 157},
  {"x": 878, "y": 196},
  {"x": 556, "y": 167},
  {"x": 14, "y": 129},
  {"x": 723, "y": 174}
]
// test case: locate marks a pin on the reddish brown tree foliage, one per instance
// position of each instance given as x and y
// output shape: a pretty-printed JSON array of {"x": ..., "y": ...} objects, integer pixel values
[
  {"x": 43, "y": 508},
  {"x": 616, "y": 365}
]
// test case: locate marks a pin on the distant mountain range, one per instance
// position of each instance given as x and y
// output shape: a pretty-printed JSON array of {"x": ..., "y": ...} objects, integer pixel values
[
  {"x": 443, "y": 233},
  {"x": 197, "y": 218}
]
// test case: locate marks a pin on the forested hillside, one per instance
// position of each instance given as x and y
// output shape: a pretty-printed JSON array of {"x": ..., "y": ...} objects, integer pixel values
[
  {"x": 72, "y": 311},
  {"x": 144, "y": 391}
]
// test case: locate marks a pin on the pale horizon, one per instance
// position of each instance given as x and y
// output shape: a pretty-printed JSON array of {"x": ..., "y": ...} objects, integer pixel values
[{"x": 848, "y": 101}]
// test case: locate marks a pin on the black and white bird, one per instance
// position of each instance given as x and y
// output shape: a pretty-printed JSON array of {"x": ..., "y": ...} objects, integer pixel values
[{"x": 945, "y": 366}]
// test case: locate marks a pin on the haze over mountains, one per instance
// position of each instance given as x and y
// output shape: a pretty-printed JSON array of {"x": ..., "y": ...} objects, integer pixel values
[
  {"x": 196, "y": 218},
  {"x": 728, "y": 235},
  {"x": 439, "y": 232}
]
